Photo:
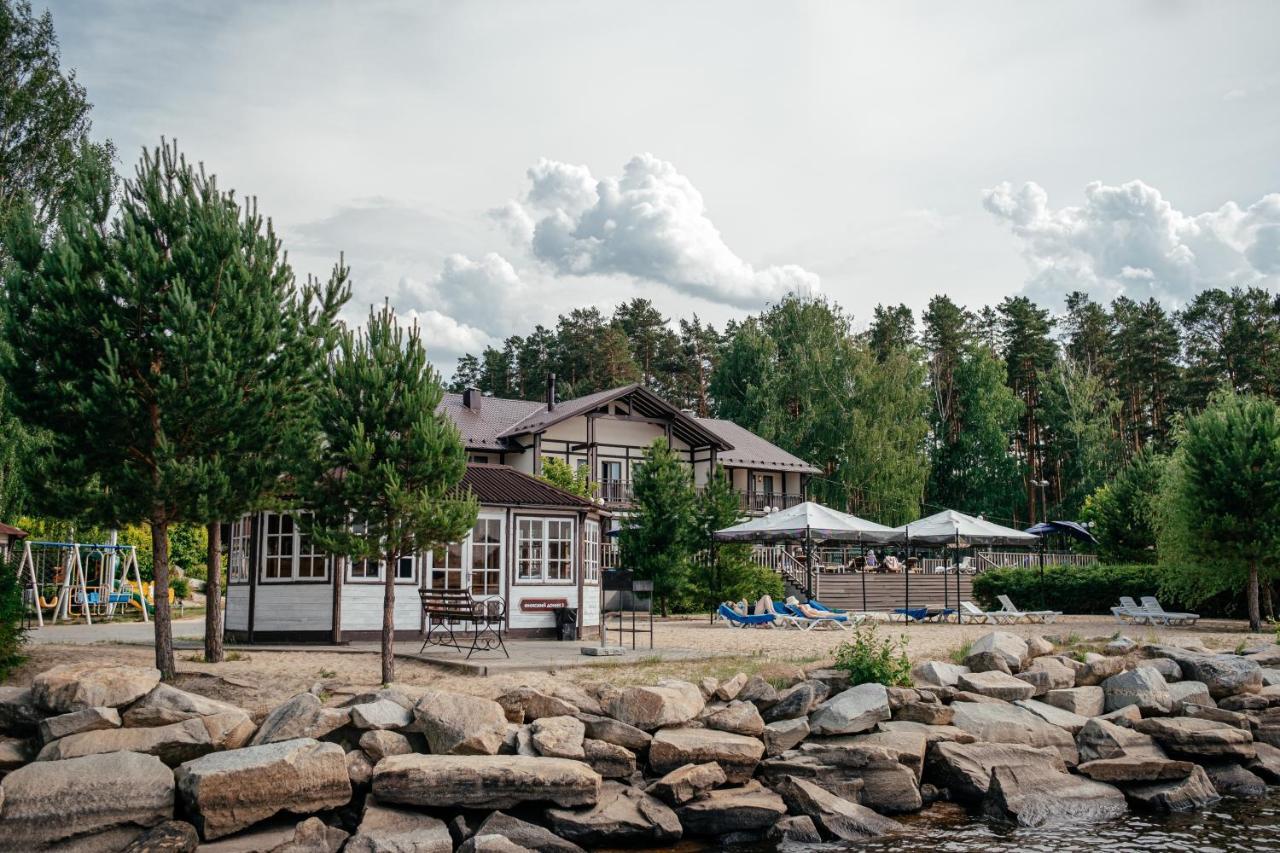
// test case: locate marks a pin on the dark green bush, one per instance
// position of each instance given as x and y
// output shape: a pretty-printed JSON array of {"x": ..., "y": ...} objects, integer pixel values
[
  {"x": 12, "y": 634},
  {"x": 1090, "y": 589}
]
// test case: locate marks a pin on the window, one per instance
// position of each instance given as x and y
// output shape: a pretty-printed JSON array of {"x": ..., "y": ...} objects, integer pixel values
[
  {"x": 446, "y": 566},
  {"x": 288, "y": 553},
  {"x": 238, "y": 556},
  {"x": 486, "y": 557},
  {"x": 591, "y": 552},
  {"x": 478, "y": 459},
  {"x": 544, "y": 550}
]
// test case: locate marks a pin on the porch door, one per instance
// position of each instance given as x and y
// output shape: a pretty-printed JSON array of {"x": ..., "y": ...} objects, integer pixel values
[{"x": 473, "y": 564}]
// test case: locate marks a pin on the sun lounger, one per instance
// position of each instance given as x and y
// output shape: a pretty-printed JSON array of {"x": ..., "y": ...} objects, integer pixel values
[
  {"x": 1030, "y": 615},
  {"x": 808, "y": 621},
  {"x": 1129, "y": 612},
  {"x": 1158, "y": 614},
  {"x": 737, "y": 620},
  {"x": 976, "y": 614}
]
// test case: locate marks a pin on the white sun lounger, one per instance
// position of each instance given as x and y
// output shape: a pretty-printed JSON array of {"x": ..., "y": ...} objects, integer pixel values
[
  {"x": 1158, "y": 614},
  {"x": 975, "y": 614},
  {"x": 1129, "y": 612},
  {"x": 1030, "y": 615}
]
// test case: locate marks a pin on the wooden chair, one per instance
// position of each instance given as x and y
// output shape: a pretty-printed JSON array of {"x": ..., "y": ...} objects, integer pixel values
[{"x": 445, "y": 608}]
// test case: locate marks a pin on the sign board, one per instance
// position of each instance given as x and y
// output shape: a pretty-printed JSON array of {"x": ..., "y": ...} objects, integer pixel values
[{"x": 542, "y": 605}]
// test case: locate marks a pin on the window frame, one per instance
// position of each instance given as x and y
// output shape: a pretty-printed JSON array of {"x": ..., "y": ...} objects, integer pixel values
[
  {"x": 295, "y": 539},
  {"x": 544, "y": 542},
  {"x": 238, "y": 551},
  {"x": 591, "y": 552}
]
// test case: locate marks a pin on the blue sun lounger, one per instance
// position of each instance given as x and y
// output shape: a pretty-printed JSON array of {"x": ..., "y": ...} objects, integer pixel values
[{"x": 737, "y": 620}]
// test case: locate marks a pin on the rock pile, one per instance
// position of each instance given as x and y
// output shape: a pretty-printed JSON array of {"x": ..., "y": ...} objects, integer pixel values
[{"x": 108, "y": 758}]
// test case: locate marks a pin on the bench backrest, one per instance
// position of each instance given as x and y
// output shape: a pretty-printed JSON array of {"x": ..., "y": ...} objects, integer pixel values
[{"x": 447, "y": 603}]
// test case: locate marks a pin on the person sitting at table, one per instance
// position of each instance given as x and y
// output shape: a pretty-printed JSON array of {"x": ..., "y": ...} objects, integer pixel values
[{"x": 872, "y": 563}]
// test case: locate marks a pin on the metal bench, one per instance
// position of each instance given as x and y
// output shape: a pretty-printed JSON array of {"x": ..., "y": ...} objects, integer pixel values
[{"x": 447, "y": 608}]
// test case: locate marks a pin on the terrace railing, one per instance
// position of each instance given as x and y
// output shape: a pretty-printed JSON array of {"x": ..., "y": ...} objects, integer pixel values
[{"x": 1029, "y": 559}]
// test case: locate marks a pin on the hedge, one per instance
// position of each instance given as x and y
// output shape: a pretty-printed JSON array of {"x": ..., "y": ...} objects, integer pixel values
[{"x": 1090, "y": 589}]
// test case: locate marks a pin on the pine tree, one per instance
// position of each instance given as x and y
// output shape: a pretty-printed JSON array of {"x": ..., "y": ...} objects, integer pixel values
[
  {"x": 1088, "y": 334},
  {"x": 1144, "y": 352},
  {"x": 724, "y": 572},
  {"x": 168, "y": 355},
  {"x": 1220, "y": 514},
  {"x": 1029, "y": 354},
  {"x": 892, "y": 328},
  {"x": 657, "y": 541},
  {"x": 653, "y": 345},
  {"x": 1123, "y": 511},
  {"x": 700, "y": 353},
  {"x": 383, "y": 482}
]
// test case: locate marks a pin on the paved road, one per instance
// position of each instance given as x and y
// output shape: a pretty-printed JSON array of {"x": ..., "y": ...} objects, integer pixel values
[{"x": 140, "y": 633}]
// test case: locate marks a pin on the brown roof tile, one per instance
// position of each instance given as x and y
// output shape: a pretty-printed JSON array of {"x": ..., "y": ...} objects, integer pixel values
[{"x": 502, "y": 484}]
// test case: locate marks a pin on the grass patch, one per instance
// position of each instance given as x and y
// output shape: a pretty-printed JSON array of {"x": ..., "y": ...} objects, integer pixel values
[{"x": 960, "y": 652}]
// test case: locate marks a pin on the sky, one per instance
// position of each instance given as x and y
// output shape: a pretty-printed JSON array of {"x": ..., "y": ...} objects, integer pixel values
[{"x": 490, "y": 165}]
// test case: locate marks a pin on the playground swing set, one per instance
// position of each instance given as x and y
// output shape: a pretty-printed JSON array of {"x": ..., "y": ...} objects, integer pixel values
[{"x": 69, "y": 580}]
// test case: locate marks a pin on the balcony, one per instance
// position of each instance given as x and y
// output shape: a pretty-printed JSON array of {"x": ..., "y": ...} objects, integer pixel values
[{"x": 617, "y": 493}]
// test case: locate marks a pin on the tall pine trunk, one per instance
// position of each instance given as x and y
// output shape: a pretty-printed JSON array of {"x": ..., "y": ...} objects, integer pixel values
[
  {"x": 160, "y": 593},
  {"x": 213, "y": 597},
  {"x": 1255, "y": 611},
  {"x": 389, "y": 621}
]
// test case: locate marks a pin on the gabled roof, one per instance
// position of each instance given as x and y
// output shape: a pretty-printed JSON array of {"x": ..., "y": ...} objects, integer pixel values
[
  {"x": 11, "y": 531},
  {"x": 481, "y": 429},
  {"x": 750, "y": 450},
  {"x": 504, "y": 485},
  {"x": 643, "y": 401}
]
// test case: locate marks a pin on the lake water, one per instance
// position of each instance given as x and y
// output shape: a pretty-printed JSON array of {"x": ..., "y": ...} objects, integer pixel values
[{"x": 1231, "y": 825}]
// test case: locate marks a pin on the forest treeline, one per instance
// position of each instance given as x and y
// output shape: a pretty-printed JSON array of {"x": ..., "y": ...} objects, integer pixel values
[{"x": 1014, "y": 410}]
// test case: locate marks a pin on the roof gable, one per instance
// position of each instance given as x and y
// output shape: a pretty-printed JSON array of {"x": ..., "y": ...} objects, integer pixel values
[
  {"x": 502, "y": 484},
  {"x": 750, "y": 450}
]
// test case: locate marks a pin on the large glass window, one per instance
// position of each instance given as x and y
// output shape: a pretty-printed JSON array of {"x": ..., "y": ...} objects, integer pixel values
[
  {"x": 288, "y": 553},
  {"x": 446, "y": 566},
  {"x": 238, "y": 553},
  {"x": 544, "y": 550},
  {"x": 486, "y": 557}
]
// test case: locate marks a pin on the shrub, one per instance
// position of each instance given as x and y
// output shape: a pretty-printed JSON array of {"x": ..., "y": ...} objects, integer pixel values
[
  {"x": 1091, "y": 589},
  {"x": 868, "y": 657},
  {"x": 12, "y": 634},
  {"x": 181, "y": 588}
]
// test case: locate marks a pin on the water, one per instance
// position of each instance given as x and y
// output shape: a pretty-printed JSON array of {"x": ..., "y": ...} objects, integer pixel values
[{"x": 1231, "y": 825}]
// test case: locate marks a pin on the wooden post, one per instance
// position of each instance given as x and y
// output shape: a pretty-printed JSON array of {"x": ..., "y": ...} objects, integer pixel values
[{"x": 339, "y": 570}]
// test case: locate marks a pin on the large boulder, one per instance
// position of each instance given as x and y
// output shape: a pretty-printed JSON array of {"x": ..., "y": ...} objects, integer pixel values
[
  {"x": 965, "y": 768},
  {"x": 483, "y": 781},
  {"x": 1199, "y": 739},
  {"x": 1266, "y": 762},
  {"x": 1231, "y": 780},
  {"x": 742, "y": 718},
  {"x": 76, "y": 686},
  {"x": 225, "y": 792},
  {"x": 784, "y": 735},
  {"x": 1085, "y": 701},
  {"x": 1039, "y": 796},
  {"x": 609, "y": 760},
  {"x": 623, "y": 816},
  {"x": 525, "y": 834},
  {"x": 1052, "y": 715},
  {"x": 558, "y": 737},
  {"x": 928, "y": 713},
  {"x": 1178, "y": 795},
  {"x": 1010, "y": 647},
  {"x": 14, "y": 752},
  {"x": 931, "y": 734},
  {"x": 737, "y": 755},
  {"x": 389, "y": 830},
  {"x": 888, "y": 779},
  {"x": 855, "y": 710},
  {"x": 88, "y": 720},
  {"x": 1048, "y": 673},
  {"x": 172, "y": 836},
  {"x": 759, "y": 691},
  {"x": 381, "y": 714},
  {"x": 313, "y": 836},
  {"x": 167, "y": 704},
  {"x": 1098, "y": 669},
  {"x": 1099, "y": 739},
  {"x": 797, "y": 701},
  {"x": 19, "y": 714},
  {"x": 1144, "y": 687},
  {"x": 835, "y": 817},
  {"x": 103, "y": 800},
  {"x": 379, "y": 743},
  {"x": 525, "y": 704},
  {"x": 618, "y": 733},
  {"x": 647, "y": 708},
  {"x": 172, "y": 744},
  {"x": 300, "y": 717},
  {"x": 727, "y": 690},
  {"x": 1010, "y": 724},
  {"x": 726, "y": 810},
  {"x": 1224, "y": 675},
  {"x": 996, "y": 685},
  {"x": 937, "y": 673},
  {"x": 458, "y": 724},
  {"x": 687, "y": 782},
  {"x": 1136, "y": 769}
]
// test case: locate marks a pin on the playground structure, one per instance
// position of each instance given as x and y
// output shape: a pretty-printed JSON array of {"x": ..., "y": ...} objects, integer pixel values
[{"x": 76, "y": 579}]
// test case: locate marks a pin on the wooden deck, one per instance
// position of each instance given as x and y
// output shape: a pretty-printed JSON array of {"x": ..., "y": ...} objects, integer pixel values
[{"x": 885, "y": 592}]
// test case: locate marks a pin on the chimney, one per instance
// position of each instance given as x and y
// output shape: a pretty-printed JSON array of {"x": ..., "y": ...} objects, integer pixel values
[
  {"x": 551, "y": 392},
  {"x": 471, "y": 399}
]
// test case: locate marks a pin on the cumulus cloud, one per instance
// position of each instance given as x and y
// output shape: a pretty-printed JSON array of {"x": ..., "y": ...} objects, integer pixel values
[
  {"x": 1129, "y": 239},
  {"x": 445, "y": 338},
  {"x": 482, "y": 294},
  {"x": 650, "y": 223}
]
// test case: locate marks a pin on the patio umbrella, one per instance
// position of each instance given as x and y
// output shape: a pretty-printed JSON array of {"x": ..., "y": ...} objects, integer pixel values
[
  {"x": 806, "y": 522},
  {"x": 959, "y": 530},
  {"x": 1045, "y": 529}
]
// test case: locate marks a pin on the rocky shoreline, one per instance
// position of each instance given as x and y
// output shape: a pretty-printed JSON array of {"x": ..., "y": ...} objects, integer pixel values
[{"x": 108, "y": 758}]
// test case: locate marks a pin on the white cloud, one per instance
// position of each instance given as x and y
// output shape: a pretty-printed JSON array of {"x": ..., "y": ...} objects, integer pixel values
[
  {"x": 651, "y": 224},
  {"x": 482, "y": 294},
  {"x": 1129, "y": 239},
  {"x": 446, "y": 339}
]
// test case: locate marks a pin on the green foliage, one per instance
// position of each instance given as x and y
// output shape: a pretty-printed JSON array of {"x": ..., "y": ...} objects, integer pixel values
[
  {"x": 574, "y": 480},
  {"x": 168, "y": 355},
  {"x": 1124, "y": 511},
  {"x": 388, "y": 459},
  {"x": 12, "y": 635},
  {"x": 723, "y": 571},
  {"x": 868, "y": 658},
  {"x": 1220, "y": 508},
  {"x": 181, "y": 588},
  {"x": 1094, "y": 589},
  {"x": 657, "y": 542},
  {"x": 960, "y": 652}
]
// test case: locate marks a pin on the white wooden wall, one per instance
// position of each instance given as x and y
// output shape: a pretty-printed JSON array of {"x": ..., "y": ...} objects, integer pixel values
[
  {"x": 590, "y": 606},
  {"x": 237, "y": 615},
  {"x": 362, "y": 607},
  {"x": 294, "y": 607}
]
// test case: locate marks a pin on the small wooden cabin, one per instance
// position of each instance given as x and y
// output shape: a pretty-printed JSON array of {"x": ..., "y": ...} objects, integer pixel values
[
  {"x": 535, "y": 546},
  {"x": 10, "y": 536}
]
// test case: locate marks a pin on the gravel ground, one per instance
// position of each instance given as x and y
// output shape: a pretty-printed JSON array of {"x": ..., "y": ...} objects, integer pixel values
[{"x": 259, "y": 680}]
